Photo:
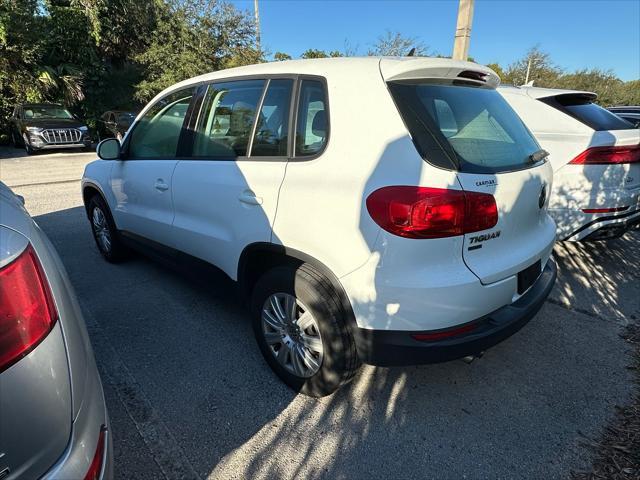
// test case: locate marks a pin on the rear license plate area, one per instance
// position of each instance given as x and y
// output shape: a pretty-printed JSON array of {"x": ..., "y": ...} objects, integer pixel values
[{"x": 528, "y": 276}]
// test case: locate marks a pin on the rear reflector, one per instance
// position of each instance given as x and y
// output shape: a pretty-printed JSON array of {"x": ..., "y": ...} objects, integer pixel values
[
  {"x": 95, "y": 469},
  {"x": 605, "y": 210},
  {"x": 421, "y": 212},
  {"x": 454, "y": 332},
  {"x": 608, "y": 155},
  {"x": 27, "y": 310}
]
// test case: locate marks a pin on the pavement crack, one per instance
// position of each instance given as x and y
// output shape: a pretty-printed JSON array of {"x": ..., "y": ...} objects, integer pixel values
[{"x": 56, "y": 182}]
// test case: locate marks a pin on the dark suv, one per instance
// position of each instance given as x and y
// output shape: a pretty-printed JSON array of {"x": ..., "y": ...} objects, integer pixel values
[
  {"x": 114, "y": 124},
  {"x": 630, "y": 114},
  {"x": 40, "y": 126}
]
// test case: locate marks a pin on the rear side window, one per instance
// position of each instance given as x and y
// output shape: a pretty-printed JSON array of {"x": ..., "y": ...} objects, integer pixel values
[
  {"x": 156, "y": 134},
  {"x": 312, "y": 124},
  {"x": 585, "y": 111},
  {"x": 226, "y": 119},
  {"x": 470, "y": 129}
]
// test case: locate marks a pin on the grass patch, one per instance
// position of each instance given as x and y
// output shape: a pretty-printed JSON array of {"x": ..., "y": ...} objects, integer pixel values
[{"x": 617, "y": 451}]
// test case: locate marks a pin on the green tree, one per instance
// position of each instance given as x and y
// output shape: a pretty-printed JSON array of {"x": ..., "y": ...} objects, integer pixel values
[
  {"x": 395, "y": 44},
  {"x": 314, "y": 53},
  {"x": 194, "y": 37},
  {"x": 281, "y": 56},
  {"x": 540, "y": 67}
]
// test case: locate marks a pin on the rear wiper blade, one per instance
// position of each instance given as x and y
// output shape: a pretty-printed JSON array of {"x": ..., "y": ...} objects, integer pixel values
[{"x": 538, "y": 156}]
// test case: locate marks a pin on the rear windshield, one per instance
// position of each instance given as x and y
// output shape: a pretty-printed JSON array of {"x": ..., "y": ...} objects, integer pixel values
[
  {"x": 470, "y": 129},
  {"x": 585, "y": 111}
]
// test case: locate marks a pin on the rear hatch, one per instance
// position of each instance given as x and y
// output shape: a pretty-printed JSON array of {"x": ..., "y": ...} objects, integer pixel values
[
  {"x": 460, "y": 122},
  {"x": 35, "y": 389},
  {"x": 615, "y": 168}
]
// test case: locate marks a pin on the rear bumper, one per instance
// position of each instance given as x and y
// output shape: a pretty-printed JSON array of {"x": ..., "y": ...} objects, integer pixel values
[
  {"x": 394, "y": 348},
  {"x": 604, "y": 227}
]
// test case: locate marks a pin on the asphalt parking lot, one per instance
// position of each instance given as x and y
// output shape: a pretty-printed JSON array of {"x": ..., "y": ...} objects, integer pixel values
[{"x": 190, "y": 396}]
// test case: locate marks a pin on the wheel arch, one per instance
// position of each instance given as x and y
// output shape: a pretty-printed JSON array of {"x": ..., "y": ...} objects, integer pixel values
[
  {"x": 89, "y": 190},
  {"x": 259, "y": 257}
]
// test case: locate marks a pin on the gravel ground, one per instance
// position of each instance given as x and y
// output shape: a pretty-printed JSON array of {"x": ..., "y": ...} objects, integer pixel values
[{"x": 190, "y": 396}]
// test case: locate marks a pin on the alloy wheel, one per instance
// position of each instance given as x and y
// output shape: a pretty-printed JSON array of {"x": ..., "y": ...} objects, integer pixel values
[
  {"x": 292, "y": 334},
  {"x": 101, "y": 229}
]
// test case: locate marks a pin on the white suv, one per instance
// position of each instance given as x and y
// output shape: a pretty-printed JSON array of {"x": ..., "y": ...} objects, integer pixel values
[
  {"x": 391, "y": 211},
  {"x": 595, "y": 157}
]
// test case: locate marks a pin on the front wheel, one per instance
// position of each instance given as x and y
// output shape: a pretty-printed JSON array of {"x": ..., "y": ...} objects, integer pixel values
[
  {"x": 27, "y": 145},
  {"x": 104, "y": 231},
  {"x": 302, "y": 331}
]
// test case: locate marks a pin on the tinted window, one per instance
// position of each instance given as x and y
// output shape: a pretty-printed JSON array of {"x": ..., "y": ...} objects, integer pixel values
[
  {"x": 273, "y": 122},
  {"x": 156, "y": 134},
  {"x": 312, "y": 125},
  {"x": 46, "y": 112},
  {"x": 469, "y": 128},
  {"x": 589, "y": 113},
  {"x": 226, "y": 119}
]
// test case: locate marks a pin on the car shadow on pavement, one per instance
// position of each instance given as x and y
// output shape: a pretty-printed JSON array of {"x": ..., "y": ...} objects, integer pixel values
[{"x": 180, "y": 355}]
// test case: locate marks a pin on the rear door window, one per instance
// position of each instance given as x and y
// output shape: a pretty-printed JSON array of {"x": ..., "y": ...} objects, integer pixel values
[
  {"x": 226, "y": 119},
  {"x": 585, "y": 111},
  {"x": 272, "y": 129},
  {"x": 470, "y": 129}
]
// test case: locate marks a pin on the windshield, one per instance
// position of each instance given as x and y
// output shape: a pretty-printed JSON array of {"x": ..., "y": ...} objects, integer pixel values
[
  {"x": 474, "y": 127},
  {"x": 46, "y": 111}
]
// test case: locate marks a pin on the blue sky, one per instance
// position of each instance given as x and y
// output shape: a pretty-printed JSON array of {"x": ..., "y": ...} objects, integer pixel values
[{"x": 577, "y": 33}]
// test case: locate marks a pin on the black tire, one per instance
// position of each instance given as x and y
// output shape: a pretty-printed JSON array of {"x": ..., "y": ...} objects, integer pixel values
[
  {"x": 14, "y": 142},
  {"x": 340, "y": 360},
  {"x": 27, "y": 146},
  {"x": 115, "y": 251}
]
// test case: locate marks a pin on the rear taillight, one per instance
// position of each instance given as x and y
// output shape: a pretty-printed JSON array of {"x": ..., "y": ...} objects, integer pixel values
[
  {"x": 444, "y": 334},
  {"x": 421, "y": 212},
  {"x": 608, "y": 155},
  {"x": 605, "y": 210},
  {"x": 27, "y": 310},
  {"x": 95, "y": 469}
]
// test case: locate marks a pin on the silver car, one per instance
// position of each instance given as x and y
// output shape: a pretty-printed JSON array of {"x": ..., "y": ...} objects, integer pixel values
[{"x": 53, "y": 417}]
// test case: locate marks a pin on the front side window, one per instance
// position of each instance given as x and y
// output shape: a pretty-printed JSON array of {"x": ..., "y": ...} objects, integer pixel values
[
  {"x": 273, "y": 122},
  {"x": 475, "y": 126},
  {"x": 312, "y": 124},
  {"x": 226, "y": 119},
  {"x": 157, "y": 133}
]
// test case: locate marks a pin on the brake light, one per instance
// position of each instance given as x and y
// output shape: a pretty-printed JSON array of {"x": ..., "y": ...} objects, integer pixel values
[
  {"x": 27, "y": 310},
  {"x": 422, "y": 212},
  {"x": 95, "y": 469},
  {"x": 605, "y": 210},
  {"x": 608, "y": 155}
]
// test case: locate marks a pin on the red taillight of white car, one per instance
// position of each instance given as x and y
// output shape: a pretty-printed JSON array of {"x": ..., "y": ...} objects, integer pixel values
[
  {"x": 422, "y": 212},
  {"x": 27, "y": 309},
  {"x": 608, "y": 155}
]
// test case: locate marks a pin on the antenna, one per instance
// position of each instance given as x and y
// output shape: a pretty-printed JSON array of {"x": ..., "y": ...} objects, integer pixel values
[{"x": 412, "y": 52}]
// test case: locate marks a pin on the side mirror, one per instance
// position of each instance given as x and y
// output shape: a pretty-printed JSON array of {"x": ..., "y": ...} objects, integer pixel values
[{"x": 109, "y": 149}]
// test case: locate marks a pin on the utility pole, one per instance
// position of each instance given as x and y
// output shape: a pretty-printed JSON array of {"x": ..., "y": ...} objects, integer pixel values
[
  {"x": 463, "y": 30},
  {"x": 257, "y": 16},
  {"x": 526, "y": 78}
]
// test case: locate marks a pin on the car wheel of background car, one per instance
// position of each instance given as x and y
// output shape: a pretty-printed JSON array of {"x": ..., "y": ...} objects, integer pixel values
[
  {"x": 27, "y": 145},
  {"x": 104, "y": 231},
  {"x": 301, "y": 330},
  {"x": 14, "y": 140}
]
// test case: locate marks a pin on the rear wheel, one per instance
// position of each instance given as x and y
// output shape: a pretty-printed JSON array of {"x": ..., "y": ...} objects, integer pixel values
[
  {"x": 104, "y": 231},
  {"x": 302, "y": 331}
]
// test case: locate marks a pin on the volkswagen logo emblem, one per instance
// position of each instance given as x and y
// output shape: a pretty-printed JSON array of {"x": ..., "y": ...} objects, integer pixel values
[{"x": 543, "y": 196}]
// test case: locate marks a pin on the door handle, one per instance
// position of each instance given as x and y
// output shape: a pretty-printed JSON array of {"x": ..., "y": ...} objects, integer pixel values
[
  {"x": 250, "y": 199},
  {"x": 160, "y": 185}
]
